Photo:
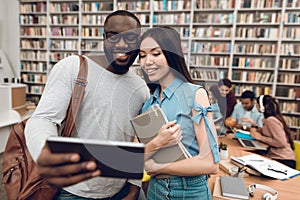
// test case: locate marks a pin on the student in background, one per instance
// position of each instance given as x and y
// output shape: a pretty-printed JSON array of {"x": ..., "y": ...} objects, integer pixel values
[
  {"x": 245, "y": 113},
  {"x": 274, "y": 132},
  {"x": 224, "y": 96},
  {"x": 184, "y": 104},
  {"x": 112, "y": 96}
]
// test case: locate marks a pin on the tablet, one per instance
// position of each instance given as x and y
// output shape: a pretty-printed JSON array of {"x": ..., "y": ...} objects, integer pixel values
[{"x": 114, "y": 158}]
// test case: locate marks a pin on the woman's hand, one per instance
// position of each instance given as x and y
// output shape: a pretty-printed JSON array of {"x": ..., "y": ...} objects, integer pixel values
[
  {"x": 170, "y": 134},
  {"x": 254, "y": 133},
  {"x": 152, "y": 168}
]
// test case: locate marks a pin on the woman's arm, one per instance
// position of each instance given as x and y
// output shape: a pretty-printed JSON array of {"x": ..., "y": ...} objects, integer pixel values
[
  {"x": 201, "y": 164},
  {"x": 274, "y": 128}
]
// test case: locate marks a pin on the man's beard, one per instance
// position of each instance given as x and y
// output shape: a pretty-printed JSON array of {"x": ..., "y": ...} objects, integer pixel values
[{"x": 121, "y": 69}]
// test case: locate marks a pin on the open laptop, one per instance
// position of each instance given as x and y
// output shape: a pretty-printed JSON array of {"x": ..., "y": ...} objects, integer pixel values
[
  {"x": 252, "y": 144},
  {"x": 249, "y": 142}
]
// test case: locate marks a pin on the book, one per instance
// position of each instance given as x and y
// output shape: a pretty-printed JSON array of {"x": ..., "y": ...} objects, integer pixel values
[
  {"x": 217, "y": 191},
  {"x": 234, "y": 187},
  {"x": 117, "y": 159},
  {"x": 146, "y": 127},
  {"x": 243, "y": 134},
  {"x": 249, "y": 170},
  {"x": 227, "y": 165},
  {"x": 264, "y": 166}
]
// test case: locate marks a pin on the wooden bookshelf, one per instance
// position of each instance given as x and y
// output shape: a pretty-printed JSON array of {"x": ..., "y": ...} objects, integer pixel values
[{"x": 255, "y": 43}]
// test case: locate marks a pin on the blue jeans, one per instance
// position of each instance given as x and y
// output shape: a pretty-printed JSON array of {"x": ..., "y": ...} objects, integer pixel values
[{"x": 179, "y": 188}]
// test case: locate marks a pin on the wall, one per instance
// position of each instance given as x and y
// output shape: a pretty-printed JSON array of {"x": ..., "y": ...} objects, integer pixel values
[{"x": 9, "y": 37}]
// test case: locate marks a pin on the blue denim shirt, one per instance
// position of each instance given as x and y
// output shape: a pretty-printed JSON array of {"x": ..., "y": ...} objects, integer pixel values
[
  {"x": 177, "y": 103},
  {"x": 239, "y": 111}
]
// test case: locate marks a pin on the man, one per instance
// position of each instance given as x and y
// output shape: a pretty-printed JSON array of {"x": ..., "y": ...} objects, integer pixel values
[
  {"x": 112, "y": 97},
  {"x": 224, "y": 96},
  {"x": 245, "y": 114}
]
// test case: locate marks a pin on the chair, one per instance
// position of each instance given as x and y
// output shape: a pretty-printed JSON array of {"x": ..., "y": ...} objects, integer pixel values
[
  {"x": 297, "y": 153},
  {"x": 145, "y": 182}
]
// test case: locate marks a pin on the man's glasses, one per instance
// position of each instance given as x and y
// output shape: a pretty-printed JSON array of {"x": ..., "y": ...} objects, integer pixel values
[{"x": 129, "y": 38}]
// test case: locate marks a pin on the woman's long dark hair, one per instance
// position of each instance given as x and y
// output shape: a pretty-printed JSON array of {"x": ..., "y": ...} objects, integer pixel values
[
  {"x": 169, "y": 41},
  {"x": 272, "y": 109}
]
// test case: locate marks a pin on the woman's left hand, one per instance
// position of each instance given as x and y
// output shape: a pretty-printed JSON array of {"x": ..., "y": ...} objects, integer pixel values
[{"x": 152, "y": 168}]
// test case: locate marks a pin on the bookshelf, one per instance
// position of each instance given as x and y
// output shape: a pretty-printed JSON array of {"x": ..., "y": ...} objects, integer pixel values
[
  {"x": 255, "y": 43},
  {"x": 33, "y": 46}
]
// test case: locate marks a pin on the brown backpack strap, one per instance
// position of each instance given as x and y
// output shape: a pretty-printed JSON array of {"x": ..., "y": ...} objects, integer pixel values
[{"x": 76, "y": 98}]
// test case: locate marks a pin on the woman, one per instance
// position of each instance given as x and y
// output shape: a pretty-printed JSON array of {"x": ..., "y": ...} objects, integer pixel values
[
  {"x": 274, "y": 132},
  {"x": 187, "y": 107}
]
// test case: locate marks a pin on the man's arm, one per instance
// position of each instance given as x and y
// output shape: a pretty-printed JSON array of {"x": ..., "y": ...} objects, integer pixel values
[
  {"x": 58, "y": 170},
  {"x": 134, "y": 192}
]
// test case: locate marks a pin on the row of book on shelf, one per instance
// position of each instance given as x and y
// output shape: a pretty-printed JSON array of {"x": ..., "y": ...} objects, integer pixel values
[
  {"x": 260, "y": 17},
  {"x": 257, "y": 77},
  {"x": 290, "y": 107},
  {"x": 173, "y": 18},
  {"x": 204, "y": 74},
  {"x": 35, "y": 89},
  {"x": 33, "y": 7},
  {"x": 33, "y": 55},
  {"x": 171, "y": 5},
  {"x": 215, "y": 4},
  {"x": 63, "y": 7},
  {"x": 32, "y": 19},
  {"x": 34, "y": 78},
  {"x": 226, "y": 4},
  {"x": 31, "y": 43},
  {"x": 292, "y": 121},
  {"x": 209, "y": 60},
  {"x": 34, "y": 67}
]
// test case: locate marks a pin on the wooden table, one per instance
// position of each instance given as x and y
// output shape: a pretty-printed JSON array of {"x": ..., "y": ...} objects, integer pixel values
[{"x": 287, "y": 190}]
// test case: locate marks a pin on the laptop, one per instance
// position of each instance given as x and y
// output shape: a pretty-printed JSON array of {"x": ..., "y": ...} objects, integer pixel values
[
  {"x": 247, "y": 141},
  {"x": 252, "y": 144}
]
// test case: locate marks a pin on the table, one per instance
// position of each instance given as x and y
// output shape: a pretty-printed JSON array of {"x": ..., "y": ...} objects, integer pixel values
[{"x": 288, "y": 189}]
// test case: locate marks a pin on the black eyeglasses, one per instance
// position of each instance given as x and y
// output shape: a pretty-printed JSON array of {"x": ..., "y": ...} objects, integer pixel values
[{"x": 129, "y": 38}]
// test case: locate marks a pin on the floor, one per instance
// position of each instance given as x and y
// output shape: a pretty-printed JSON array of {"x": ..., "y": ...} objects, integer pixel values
[{"x": 2, "y": 190}]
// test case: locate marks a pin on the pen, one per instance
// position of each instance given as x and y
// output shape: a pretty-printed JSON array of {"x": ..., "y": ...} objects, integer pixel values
[{"x": 278, "y": 171}]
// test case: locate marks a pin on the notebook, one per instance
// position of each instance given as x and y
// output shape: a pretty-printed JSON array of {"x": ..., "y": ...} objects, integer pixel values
[
  {"x": 261, "y": 165},
  {"x": 234, "y": 187},
  {"x": 147, "y": 125}
]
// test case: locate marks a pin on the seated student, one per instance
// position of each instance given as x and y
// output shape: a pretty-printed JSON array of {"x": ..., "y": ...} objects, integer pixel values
[
  {"x": 224, "y": 96},
  {"x": 274, "y": 132},
  {"x": 245, "y": 113}
]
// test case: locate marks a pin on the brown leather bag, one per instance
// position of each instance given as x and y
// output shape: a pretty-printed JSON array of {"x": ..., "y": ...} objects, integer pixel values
[{"x": 20, "y": 173}]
